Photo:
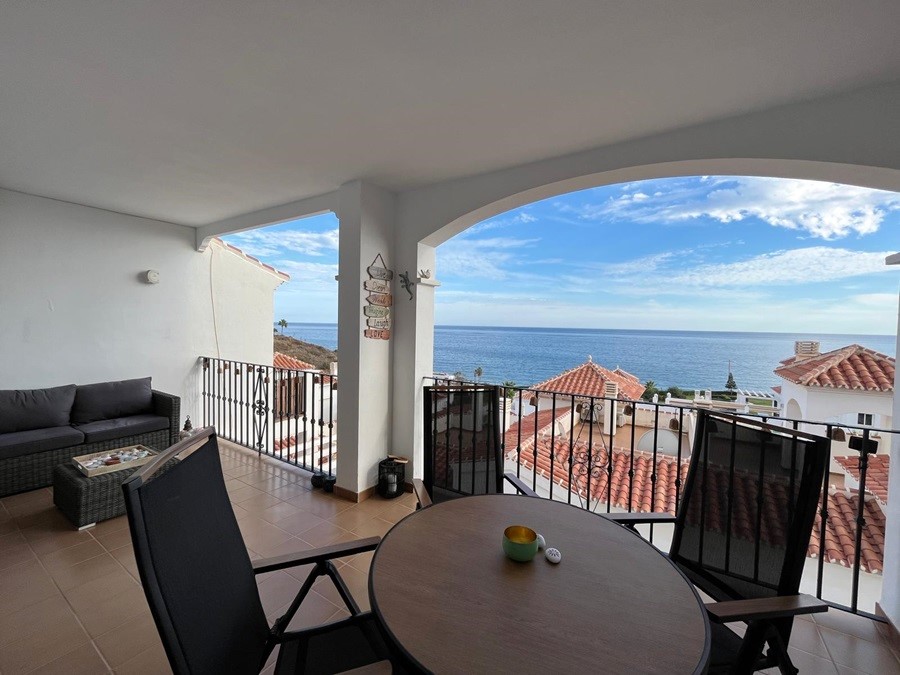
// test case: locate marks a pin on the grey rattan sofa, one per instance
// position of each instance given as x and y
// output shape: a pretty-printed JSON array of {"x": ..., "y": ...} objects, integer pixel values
[{"x": 40, "y": 428}]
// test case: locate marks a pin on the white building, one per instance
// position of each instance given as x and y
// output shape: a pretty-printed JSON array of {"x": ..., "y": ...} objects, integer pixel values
[{"x": 851, "y": 386}]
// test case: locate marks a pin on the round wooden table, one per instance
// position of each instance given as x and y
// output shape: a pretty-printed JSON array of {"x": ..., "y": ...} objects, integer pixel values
[{"x": 454, "y": 603}]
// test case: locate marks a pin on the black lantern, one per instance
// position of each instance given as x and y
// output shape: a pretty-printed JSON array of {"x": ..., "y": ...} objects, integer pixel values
[{"x": 391, "y": 478}]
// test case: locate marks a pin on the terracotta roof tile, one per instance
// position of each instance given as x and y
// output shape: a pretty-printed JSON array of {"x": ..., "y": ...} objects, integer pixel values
[
  {"x": 656, "y": 489},
  {"x": 853, "y": 367},
  {"x": 589, "y": 379},
  {"x": 876, "y": 473},
  {"x": 290, "y": 363}
]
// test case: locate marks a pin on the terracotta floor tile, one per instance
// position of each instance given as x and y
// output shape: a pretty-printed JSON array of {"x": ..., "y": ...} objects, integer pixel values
[
  {"x": 111, "y": 525},
  {"x": 299, "y": 522},
  {"x": 324, "y": 534},
  {"x": 351, "y": 518},
  {"x": 314, "y": 611},
  {"x": 125, "y": 557},
  {"x": 396, "y": 511},
  {"x": 362, "y": 561},
  {"x": 850, "y": 624},
  {"x": 809, "y": 663},
  {"x": 357, "y": 582},
  {"x": 805, "y": 637},
  {"x": 44, "y": 645},
  {"x": 55, "y": 541},
  {"x": 260, "y": 535},
  {"x": 82, "y": 661},
  {"x": 289, "y": 491},
  {"x": 259, "y": 503},
  {"x": 106, "y": 612},
  {"x": 67, "y": 557},
  {"x": 43, "y": 615},
  {"x": 278, "y": 511},
  {"x": 151, "y": 661},
  {"x": 268, "y": 484},
  {"x": 68, "y": 577},
  {"x": 14, "y": 550},
  {"x": 319, "y": 505},
  {"x": 375, "y": 527},
  {"x": 26, "y": 503},
  {"x": 128, "y": 640},
  {"x": 24, "y": 584},
  {"x": 869, "y": 657},
  {"x": 277, "y": 590},
  {"x": 244, "y": 493},
  {"x": 114, "y": 539}
]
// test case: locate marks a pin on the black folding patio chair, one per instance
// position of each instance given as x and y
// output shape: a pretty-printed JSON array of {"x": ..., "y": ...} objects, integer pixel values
[
  {"x": 742, "y": 532},
  {"x": 200, "y": 582},
  {"x": 463, "y": 452}
]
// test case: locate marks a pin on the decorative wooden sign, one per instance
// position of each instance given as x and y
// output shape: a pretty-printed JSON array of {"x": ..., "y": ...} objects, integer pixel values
[
  {"x": 377, "y": 286},
  {"x": 380, "y": 272},
  {"x": 377, "y": 311},
  {"x": 381, "y": 299}
]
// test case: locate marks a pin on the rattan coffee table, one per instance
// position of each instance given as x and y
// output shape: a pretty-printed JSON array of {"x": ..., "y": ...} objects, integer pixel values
[{"x": 86, "y": 501}]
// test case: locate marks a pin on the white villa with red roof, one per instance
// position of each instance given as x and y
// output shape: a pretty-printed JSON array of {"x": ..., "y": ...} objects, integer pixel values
[
  {"x": 852, "y": 385},
  {"x": 586, "y": 382}
]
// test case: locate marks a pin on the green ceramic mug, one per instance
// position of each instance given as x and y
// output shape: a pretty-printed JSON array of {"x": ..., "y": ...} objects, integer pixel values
[{"x": 520, "y": 543}]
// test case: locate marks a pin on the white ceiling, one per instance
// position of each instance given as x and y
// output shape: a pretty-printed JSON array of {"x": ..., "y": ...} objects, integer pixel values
[{"x": 196, "y": 111}]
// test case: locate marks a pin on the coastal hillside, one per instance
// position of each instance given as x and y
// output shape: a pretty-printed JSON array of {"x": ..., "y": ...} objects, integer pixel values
[{"x": 317, "y": 355}]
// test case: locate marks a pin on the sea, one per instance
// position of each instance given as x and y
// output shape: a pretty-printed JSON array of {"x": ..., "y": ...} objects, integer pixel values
[{"x": 686, "y": 359}]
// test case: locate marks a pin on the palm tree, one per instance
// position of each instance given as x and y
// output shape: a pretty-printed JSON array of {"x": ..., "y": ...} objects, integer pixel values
[
  {"x": 509, "y": 389},
  {"x": 283, "y": 324},
  {"x": 478, "y": 373}
]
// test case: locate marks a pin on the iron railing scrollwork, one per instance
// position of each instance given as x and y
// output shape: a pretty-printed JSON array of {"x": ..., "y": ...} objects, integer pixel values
[{"x": 280, "y": 412}]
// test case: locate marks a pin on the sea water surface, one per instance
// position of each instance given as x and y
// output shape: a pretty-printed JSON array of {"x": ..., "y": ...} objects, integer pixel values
[{"x": 687, "y": 359}]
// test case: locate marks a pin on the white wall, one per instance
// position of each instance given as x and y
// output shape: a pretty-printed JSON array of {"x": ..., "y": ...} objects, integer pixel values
[
  {"x": 366, "y": 216},
  {"x": 74, "y": 310}
]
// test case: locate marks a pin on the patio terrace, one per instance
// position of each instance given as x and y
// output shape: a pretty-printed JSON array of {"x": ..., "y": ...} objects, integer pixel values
[{"x": 71, "y": 602}]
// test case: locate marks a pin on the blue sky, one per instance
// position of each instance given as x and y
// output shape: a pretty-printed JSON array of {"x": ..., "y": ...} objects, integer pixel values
[{"x": 699, "y": 253}]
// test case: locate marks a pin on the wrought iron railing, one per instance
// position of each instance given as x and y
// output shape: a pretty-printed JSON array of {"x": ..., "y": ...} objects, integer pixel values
[
  {"x": 613, "y": 454},
  {"x": 284, "y": 413}
]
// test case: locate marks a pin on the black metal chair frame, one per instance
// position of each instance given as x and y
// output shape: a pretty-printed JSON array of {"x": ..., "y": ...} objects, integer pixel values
[
  {"x": 423, "y": 488},
  {"x": 768, "y": 620},
  {"x": 320, "y": 558}
]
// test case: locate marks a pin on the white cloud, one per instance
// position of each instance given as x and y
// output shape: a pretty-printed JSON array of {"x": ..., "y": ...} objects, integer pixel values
[
  {"x": 273, "y": 243},
  {"x": 479, "y": 258},
  {"x": 309, "y": 274},
  {"x": 520, "y": 218},
  {"x": 797, "y": 266},
  {"x": 818, "y": 209}
]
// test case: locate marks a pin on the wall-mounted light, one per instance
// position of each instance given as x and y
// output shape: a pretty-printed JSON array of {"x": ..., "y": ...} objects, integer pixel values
[{"x": 151, "y": 276}]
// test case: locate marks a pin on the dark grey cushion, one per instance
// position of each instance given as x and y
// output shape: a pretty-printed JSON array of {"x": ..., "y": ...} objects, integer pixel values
[
  {"x": 24, "y": 409},
  {"x": 21, "y": 443},
  {"x": 107, "y": 430},
  {"x": 108, "y": 400}
]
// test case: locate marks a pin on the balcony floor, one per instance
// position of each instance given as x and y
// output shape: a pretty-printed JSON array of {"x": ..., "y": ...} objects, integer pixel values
[{"x": 71, "y": 602}]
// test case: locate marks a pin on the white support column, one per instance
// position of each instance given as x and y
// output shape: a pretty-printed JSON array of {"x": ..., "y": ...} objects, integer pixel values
[
  {"x": 366, "y": 214},
  {"x": 413, "y": 352},
  {"x": 890, "y": 590}
]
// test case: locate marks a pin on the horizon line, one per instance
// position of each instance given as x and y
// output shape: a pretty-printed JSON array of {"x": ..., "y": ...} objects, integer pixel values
[{"x": 636, "y": 330}]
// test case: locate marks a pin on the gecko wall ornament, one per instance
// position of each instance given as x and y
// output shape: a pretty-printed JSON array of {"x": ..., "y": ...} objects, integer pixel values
[{"x": 406, "y": 283}]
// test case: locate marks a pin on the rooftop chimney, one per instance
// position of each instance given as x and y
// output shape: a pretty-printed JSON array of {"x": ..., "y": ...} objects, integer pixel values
[
  {"x": 611, "y": 389},
  {"x": 805, "y": 349}
]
